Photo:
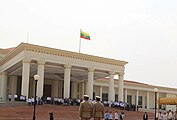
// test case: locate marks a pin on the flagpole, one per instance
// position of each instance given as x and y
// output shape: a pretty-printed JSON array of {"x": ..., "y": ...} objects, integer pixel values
[
  {"x": 27, "y": 36},
  {"x": 80, "y": 41}
]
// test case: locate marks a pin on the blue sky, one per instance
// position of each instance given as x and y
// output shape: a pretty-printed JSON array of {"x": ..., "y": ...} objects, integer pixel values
[{"x": 142, "y": 32}]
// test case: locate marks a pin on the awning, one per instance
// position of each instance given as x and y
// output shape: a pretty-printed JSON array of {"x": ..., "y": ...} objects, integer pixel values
[{"x": 167, "y": 101}]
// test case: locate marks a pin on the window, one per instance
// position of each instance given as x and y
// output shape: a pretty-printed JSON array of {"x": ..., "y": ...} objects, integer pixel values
[
  {"x": 116, "y": 97},
  {"x": 104, "y": 96},
  {"x": 129, "y": 99},
  {"x": 140, "y": 101}
]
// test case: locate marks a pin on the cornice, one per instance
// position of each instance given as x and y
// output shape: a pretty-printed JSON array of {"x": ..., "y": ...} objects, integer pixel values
[
  {"x": 62, "y": 53},
  {"x": 12, "y": 54}
]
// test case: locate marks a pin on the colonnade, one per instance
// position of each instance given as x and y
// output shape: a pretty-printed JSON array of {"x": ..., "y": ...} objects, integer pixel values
[
  {"x": 147, "y": 96},
  {"x": 67, "y": 80}
]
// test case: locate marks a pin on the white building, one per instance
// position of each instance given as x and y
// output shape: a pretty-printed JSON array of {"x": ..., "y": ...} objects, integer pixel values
[{"x": 70, "y": 74}]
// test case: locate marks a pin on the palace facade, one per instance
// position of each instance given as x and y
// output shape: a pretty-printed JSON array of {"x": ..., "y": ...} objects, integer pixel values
[{"x": 69, "y": 74}]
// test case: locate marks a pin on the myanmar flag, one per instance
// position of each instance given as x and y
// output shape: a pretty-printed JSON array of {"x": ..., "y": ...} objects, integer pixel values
[{"x": 84, "y": 35}]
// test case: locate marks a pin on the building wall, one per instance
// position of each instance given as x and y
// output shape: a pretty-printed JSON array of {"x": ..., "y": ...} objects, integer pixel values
[
  {"x": 171, "y": 107},
  {"x": 151, "y": 100}
]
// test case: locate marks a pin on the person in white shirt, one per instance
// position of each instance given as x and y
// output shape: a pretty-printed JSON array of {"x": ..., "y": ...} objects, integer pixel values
[
  {"x": 110, "y": 103},
  {"x": 116, "y": 115},
  {"x": 157, "y": 116},
  {"x": 173, "y": 115},
  {"x": 169, "y": 116},
  {"x": 10, "y": 97},
  {"x": 29, "y": 101},
  {"x": 32, "y": 100},
  {"x": 110, "y": 116},
  {"x": 49, "y": 100},
  {"x": 16, "y": 97},
  {"x": 21, "y": 98},
  {"x": 160, "y": 116},
  {"x": 165, "y": 116}
]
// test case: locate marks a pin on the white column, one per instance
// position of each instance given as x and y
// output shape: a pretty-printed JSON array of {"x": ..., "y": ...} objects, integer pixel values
[
  {"x": 40, "y": 83},
  {"x": 111, "y": 93},
  {"x": 13, "y": 86},
  {"x": 143, "y": 104},
  {"x": 3, "y": 86},
  {"x": 121, "y": 86},
  {"x": 89, "y": 88},
  {"x": 134, "y": 99},
  {"x": 55, "y": 88},
  {"x": 74, "y": 89},
  {"x": 126, "y": 95},
  {"x": 147, "y": 99},
  {"x": 137, "y": 97},
  {"x": 25, "y": 77},
  {"x": 101, "y": 91},
  {"x": 67, "y": 81}
]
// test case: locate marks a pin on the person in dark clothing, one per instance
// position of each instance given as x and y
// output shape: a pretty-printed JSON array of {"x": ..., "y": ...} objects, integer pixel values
[
  {"x": 51, "y": 116},
  {"x": 122, "y": 115},
  {"x": 145, "y": 116}
]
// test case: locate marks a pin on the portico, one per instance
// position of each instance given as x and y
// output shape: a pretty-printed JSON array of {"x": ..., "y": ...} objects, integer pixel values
[{"x": 66, "y": 74}]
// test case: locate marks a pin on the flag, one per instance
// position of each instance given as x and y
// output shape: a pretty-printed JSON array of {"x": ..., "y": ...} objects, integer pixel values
[{"x": 84, "y": 35}]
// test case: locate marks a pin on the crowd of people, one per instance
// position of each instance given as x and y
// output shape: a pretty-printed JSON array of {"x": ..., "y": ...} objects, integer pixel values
[
  {"x": 115, "y": 116},
  {"x": 120, "y": 105},
  {"x": 107, "y": 115},
  {"x": 69, "y": 101},
  {"x": 169, "y": 115},
  {"x": 89, "y": 110}
]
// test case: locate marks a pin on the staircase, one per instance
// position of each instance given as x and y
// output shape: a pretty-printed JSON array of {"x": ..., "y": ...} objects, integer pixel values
[{"x": 12, "y": 103}]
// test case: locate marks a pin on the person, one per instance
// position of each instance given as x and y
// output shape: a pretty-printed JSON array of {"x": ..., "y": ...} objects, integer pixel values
[
  {"x": 165, "y": 116},
  {"x": 32, "y": 100},
  {"x": 10, "y": 97},
  {"x": 85, "y": 109},
  {"x": 29, "y": 101},
  {"x": 40, "y": 101},
  {"x": 15, "y": 97},
  {"x": 21, "y": 98},
  {"x": 98, "y": 109},
  {"x": 110, "y": 116},
  {"x": 51, "y": 116},
  {"x": 173, "y": 115},
  {"x": 122, "y": 116},
  {"x": 169, "y": 116},
  {"x": 106, "y": 115},
  {"x": 160, "y": 116},
  {"x": 49, "y": 100},
  {"x": 145, "y": 116},
  {"x": 157, "y": 115},
  {"x": 116, "y": 115}
]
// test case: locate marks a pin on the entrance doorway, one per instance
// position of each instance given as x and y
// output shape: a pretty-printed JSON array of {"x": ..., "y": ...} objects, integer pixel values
[{"x": 47, "y": 90}]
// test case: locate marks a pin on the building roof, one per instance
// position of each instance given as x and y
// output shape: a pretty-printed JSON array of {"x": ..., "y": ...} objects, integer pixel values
[
  {"x": 139, "y": 84},
  {"x": 6, "y": 51},
  {"x": 58, "y": 52}
]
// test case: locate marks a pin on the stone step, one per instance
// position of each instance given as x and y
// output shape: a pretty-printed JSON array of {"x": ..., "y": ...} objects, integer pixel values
[{"x": 12, "y": 103}]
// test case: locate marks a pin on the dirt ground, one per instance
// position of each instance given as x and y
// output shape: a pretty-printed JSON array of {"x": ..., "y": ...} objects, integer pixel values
[{"x": 60, "y": 113}]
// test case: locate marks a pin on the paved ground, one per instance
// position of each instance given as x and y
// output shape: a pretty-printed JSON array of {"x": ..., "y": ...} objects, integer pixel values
[{"x": 60, "y": 113}]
